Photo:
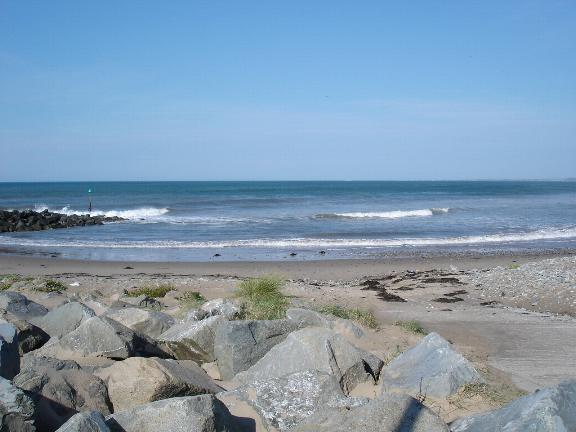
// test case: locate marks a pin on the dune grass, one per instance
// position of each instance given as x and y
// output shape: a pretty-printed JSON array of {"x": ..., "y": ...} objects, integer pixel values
[
  {"x": 363, "y": 317},
  {"x": 51, "y": 285},
  {"x": 192, "y": 297},
  {"x": 262, "y": 298},
  {"x": 412, "y": 326},
  {"x": 151, "y": 291}
]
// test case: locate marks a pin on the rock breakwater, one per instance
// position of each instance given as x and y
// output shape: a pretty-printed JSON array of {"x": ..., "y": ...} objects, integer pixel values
[{"x": 30, "y": 220}]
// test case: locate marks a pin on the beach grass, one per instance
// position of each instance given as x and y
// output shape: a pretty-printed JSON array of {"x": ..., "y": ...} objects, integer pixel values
[
  {"x": 193, "y": 298},
  {"x": 262, "y": 298},
  {"x": 412, "y": 326},
  {"x": 363, "y": 317},
  {"x": 157, "y": 291},
  {"x": 51, "y": 285}
]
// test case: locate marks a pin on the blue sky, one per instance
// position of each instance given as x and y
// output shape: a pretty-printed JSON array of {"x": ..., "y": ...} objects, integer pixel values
[{"x": 190, "y": 90}]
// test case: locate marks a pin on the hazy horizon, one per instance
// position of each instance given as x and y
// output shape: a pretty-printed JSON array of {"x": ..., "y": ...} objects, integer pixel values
[{"x": 416, "y": 91}]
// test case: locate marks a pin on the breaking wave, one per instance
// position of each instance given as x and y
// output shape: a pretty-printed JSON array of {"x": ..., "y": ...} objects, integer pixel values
[
  {"x": 133, "y": 214},
  {"x": 396, "y": 214}
]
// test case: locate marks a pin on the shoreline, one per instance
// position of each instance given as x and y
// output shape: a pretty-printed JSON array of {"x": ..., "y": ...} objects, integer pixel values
[{"x": 327, "y": 269}]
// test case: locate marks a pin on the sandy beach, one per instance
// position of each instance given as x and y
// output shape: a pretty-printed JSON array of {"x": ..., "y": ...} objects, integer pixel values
[{"x": 524, "y": 340}]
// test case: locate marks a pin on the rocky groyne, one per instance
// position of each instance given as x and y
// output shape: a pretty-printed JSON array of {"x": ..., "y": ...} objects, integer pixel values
[{"x": 30, "y": 220}]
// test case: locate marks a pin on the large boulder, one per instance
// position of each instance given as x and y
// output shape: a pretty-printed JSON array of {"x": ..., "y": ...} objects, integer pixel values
[
  {"x": 64, "y": 319},
  {"x": 202, "y": 413},
  {"x": 240, "y": 344},
  {"x": 89, "y": 421},
  {"x": 137, "y": 380},
  {"x": 31, "y": 361},
  {"x": 552, "y": 410},
  {"x": 9, "y": 350},
  {"x": 16, "y": 409},
  {"x": 196, "y": 334},
  {"x": 310, "y": 318},
  {"x": 185, "y": 350},
  {"x": 94, "y": 300},
  {"x": 20, "y": 306},
  {"x": 225, "y": 307},
  {"x": 286, "y": 401},
  {"x": 431, "y": 367},
  {"x": 59, "y": 394},
  {"x": 150, "y": 323},
  {"x": 387, "y": 413},
  {"x": 101, "y": 337},
  {"x": 320, "y": 349},
  {"x": 30, "y": 337}
]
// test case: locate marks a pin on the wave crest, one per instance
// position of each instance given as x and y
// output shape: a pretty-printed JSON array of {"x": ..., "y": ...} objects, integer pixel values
[{"x": 395, "y": 214}]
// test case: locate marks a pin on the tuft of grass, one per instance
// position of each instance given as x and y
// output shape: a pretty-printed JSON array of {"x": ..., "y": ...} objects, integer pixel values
[
  {"x": 151, "y": 291},
  {"x": 514, "y": 266},
  {"x": 391, "y": 355},
  {"x": 51, "y": 285},
  {"x": 363, "y": 317},
  {"x": 5, "y": 285},
  {"x": 262, "y": 298},
  {"x": 412, "y": 326},
  {"x": 192, "y": 297}
]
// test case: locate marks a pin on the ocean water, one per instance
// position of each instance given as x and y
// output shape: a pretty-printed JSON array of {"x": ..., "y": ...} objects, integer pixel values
[{"x": 193, "y": 221}]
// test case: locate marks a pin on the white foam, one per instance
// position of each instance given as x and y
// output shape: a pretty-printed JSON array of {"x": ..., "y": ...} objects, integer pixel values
[
  {"x": 544, "y": 234},
  {"x": 395, "y": 214},
  {"x": 132, "y": 214}
]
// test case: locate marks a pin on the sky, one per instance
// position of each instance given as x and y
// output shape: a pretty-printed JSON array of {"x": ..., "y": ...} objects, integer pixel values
[{"x": 291, "y": 90}]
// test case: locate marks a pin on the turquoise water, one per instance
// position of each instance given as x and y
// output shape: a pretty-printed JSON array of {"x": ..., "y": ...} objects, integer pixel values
[{"x": 270, "y": 220}]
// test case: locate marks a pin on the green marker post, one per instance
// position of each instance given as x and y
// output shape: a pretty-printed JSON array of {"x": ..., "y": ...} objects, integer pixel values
[{"x": 89, "y": 200}]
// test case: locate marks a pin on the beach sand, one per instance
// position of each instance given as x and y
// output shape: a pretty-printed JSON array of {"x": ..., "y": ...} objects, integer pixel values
[{"x": 518, "y": 343}]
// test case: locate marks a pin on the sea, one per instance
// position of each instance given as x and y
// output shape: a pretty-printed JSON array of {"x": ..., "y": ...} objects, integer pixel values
[{"x": 307, "y": 220}]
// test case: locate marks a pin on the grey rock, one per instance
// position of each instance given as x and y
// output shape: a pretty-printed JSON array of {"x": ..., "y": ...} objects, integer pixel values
[
  {"x": 431, "y": 367},
  {"x": 202, "y": 413},
  {"x": 59, "y": 394},
  {"x": 552, "y": 410},
  {"x": 150, "y": 323},
  {"x": 102, "y": 337},
  {"x": 94, "y": 300},
  {"x": 137, "y": 380},
  {"x": 142, "y": 301},
  {"x": 320, "y": 349},
  {"x": 30, "y": 361},
  {"x": 64, "y": 319},
  {"x": 9, "y": 350},
  {"x": 16, "y": 409},
  {"x": 30, "y": 337},
  {"x": 20, "y": 306},
  {"x": 387, "y": 413},
  {"x": 286, "y": 401},
  {"x": 201, "y": 333},
  {"x": 240, "y": 344},
  {"x": 310, "y": 318},
  {"x": 307, "y": 318},
  {"x": 186, "y": 350},
  {"x": 89, "y": 421},
  {"x": 196, "y": 315},
  {"x": 226, "y": 307}
]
